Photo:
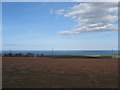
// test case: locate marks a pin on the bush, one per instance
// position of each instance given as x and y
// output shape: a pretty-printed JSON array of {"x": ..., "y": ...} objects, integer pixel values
[
  {"x": 29, "y": 55},
  {"x": 42, "y": 55},
  {"x": 18, "y": 55}
]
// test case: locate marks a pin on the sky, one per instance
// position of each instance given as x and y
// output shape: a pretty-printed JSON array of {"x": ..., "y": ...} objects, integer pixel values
[{"x": 59, "y": 25}]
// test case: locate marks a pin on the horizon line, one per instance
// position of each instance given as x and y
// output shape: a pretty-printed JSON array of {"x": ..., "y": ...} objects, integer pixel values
[{"x": 58, "y": 50}]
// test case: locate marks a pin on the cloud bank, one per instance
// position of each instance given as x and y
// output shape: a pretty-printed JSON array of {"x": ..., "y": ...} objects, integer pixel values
[
  {"x": 60, "y": 11},
  {"x": 92, "y": 17}
]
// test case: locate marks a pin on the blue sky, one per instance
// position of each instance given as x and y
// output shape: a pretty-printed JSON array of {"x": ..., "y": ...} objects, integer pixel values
[{"x": 43, "y": 26}]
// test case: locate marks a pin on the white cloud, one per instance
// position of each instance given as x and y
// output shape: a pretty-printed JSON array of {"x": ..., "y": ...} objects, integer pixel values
[
  {"x": 93, "y": 17},
  {"x": 60, "y": 11},
  {"x": 95, "y": 0},
  {"x": 66, "y": 32}
]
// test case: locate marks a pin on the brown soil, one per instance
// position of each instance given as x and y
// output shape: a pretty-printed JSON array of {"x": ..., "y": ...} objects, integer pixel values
[{"x": 44, "y": 72}]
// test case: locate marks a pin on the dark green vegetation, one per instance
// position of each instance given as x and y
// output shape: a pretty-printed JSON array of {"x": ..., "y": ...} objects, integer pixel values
[
  {"x": 85, "y": 56},
  {"x": 22, "y": 55},
  {"x": 63, "y": 56}
]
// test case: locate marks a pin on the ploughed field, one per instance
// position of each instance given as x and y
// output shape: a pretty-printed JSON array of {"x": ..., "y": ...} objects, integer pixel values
[{"x": 47, "y": 72}]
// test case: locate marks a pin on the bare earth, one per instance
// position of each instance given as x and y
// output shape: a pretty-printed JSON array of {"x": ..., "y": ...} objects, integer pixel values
[{"x": 44, "y": 72}]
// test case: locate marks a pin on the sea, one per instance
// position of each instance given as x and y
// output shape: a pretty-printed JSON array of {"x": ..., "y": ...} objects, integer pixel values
[{"x": 65, "y": 52}]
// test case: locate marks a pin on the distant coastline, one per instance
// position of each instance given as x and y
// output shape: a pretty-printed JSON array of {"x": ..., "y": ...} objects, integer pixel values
[{"x": 64, "y": 52}]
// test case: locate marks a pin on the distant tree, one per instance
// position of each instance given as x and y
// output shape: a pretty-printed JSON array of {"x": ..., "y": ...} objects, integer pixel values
[
  {"x": 42, "y": 55},
  {"x": 8, "y": 55},
  {"x": 37, "y": 55},
  {"x": 29, "y": 55},
  {"x": 18, "y": 55}
]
